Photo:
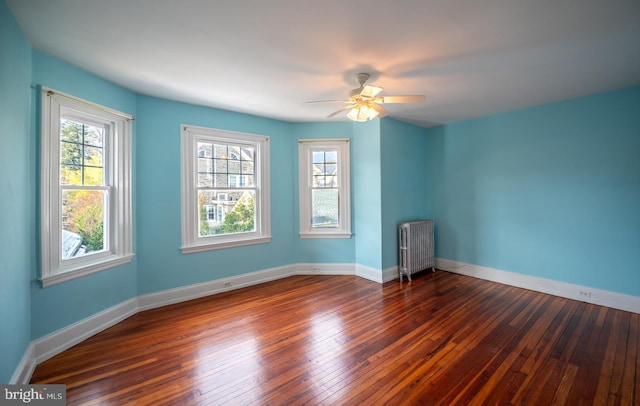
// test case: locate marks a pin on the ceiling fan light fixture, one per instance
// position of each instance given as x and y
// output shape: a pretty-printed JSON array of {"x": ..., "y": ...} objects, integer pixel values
[
  {"x": 362, "y": 112},
  {"x": 364, "y": 104}
]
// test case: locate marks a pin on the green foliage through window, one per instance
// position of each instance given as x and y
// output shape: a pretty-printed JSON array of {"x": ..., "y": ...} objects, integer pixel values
[{"x": 241, "y": 218}]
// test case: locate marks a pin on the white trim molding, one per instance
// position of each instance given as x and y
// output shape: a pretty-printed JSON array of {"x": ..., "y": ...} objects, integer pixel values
[
  {"x": 377, "y": 275},
  {"x": 184, "y": 293},
  {"x": 115, "y": 186},
  {"x": 65, "y": 338},
  {"x": 27, "y": 365},
  {"x": 562, "y": 289},
  {"x": 337, "y": 179},
  {"x": 191, "y": 138},
  {"x": 324, "y": 269}
]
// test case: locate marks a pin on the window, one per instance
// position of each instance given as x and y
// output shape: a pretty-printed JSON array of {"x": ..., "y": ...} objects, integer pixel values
[
  {"x": 85, "y": 188},
  {"x": 230, "y": 171},
  {"x": 325, "y": 208}
]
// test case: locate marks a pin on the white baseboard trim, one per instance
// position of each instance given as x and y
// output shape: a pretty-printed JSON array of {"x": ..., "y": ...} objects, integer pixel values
[
  {"x": 369, "y": 273},
  {"x": 376, "y": 275},
  {"x": 324, "y": 269},
  {"x": 184, "y": 293},
  {"x": 390, "y": 274},
  {"x": 27, "y": 365},
  {"x": 58, "y": 341},
  {"x": 567, "y": 290}
]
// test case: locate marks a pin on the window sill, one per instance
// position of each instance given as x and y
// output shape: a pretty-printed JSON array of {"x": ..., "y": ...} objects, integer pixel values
[
  {"x": 190, "y": 249},
  {"x": 78, "y": 272}
]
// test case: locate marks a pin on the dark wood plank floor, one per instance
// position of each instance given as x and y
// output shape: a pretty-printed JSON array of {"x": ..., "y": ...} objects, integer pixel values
[{"x": 441, "y": 339}]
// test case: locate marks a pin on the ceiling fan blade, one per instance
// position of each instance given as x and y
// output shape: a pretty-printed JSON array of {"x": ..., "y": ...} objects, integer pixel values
[
  {"x": 381, "y": 110},
  {"x": 328, "y": 101},
  {"x": 370, "y": 91},
  {"x": 401, "y": 99},
  {"x": 341, "y": 110}
]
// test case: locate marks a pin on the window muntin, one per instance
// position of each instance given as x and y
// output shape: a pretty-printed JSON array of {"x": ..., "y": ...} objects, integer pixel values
[
  {"x": 85, "y": 198},
  {"x": 85, "y": 188},
  {"x": 324, "y": 189},
  {"x": 225, "y": 189},
  {"x": 226, "y": 179}
]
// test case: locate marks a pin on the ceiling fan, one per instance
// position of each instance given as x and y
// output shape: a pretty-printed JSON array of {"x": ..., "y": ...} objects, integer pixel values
[{"x": 364, "y": 101}]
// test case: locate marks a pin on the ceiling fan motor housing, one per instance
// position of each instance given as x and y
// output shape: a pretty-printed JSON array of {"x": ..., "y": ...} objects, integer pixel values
[{"x": 361, "y": 78}]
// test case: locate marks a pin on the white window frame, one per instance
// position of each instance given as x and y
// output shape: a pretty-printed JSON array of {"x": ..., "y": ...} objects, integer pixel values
[
  {"x": 117, "y": 167},
  {"x": 191, "y": 241},
  {"x": 305, "y": 172}
]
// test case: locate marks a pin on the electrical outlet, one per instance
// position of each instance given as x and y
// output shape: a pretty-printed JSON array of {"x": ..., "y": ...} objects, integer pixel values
[
  {"x": 584, "y": 294},
  {"x": 315, "y": 269},
  {"x": 227, "y": 284}
]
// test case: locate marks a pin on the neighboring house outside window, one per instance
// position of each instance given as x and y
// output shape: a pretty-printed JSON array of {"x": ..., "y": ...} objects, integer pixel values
[
  {"x": 228, "y": 171},
  {"x": 324, "y": 182},
  {"x": 85, "y": 189}
]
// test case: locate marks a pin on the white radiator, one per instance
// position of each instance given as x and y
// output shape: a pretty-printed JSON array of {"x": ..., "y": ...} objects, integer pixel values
[{"x": 416, "y": 247}]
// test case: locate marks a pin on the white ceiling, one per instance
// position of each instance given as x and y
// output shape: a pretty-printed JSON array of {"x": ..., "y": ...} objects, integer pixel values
[{"x": 470, "y": 58}]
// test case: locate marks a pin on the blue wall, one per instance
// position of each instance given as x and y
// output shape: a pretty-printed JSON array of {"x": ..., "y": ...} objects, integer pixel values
[
  {"x": 161, "y": 263},
  {"x": 403, "y": 178},
  {"x": 367, "y": 193},
  {"x": 66, "y": 303},
  {"x": 17, "y": 205},
  {"x": 551, "y": 191}
]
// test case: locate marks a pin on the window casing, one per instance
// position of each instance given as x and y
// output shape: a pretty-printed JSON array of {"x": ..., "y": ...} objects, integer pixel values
[
  {"x": 324, "y": 183},
  {"x": 85, "y": 206},
  {"x": 228, "y": 171}
]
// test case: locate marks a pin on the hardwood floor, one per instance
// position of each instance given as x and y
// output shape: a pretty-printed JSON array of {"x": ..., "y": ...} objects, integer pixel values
[{"x": 441, "y": 339}]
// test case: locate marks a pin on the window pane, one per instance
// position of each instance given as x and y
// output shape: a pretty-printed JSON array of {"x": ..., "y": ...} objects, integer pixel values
[
  {"x": 325, "y": 169},
  {"x": 220, "y": 151},
  {"x": 324, "y": 208},
  {"x": 70, "y": 131},
  {"x": 247, "y": 167},
  {"x": 70, "y": 175},
  {"x": 234, "y": 152},
  {"x": 94, "y": 136},
  {"x": 83, "y": 217},
  {"x": 318, "y": 157},
  {"x": 331, "y": 181},
  {"x": 92, "y": 176},
  {"x": 235, "y": 212},
  {"x": 330, "y": 169},
  {"x": 247, "y": 154},
  {"x": 221, "y": 165},
  {"x": 234, "y": 167},
  {"x": 70, "y": 153},
  {"x": 93, "y": 156},
  {"x": 205, "y": 180},
  {"x": 81, "y": 153},
  {"x": 221, "y": 181},
  {"x": 204, "y": 150},
  {"x": 248, "y": 180},
  {"x": 318, "y": 181},
  {"x": 205, "y": 165}
]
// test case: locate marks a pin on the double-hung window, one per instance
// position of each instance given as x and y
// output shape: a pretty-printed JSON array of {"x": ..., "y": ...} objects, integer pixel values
[
  {"x": 85, "y": 188},
  {"x": 225, "y": 189},
  {"x": 325, "y": 208}
]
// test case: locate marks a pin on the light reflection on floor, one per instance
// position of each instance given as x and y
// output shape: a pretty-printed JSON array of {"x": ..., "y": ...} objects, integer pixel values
[
  {"x": 326, "y": 361},
  {"x": 222, "y": 366}
]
